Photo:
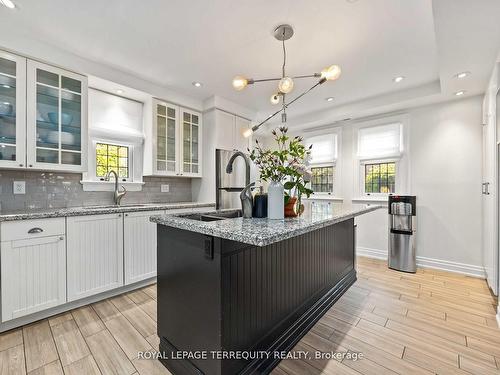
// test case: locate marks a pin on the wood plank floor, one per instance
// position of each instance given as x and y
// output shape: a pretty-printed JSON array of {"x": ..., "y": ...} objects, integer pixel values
[{"x": 432, "y": 322}]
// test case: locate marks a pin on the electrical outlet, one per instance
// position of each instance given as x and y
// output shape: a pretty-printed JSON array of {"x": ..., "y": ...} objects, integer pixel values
[
  {"x": 165, "y": 188},
  {"x": 19, "y": 187}
]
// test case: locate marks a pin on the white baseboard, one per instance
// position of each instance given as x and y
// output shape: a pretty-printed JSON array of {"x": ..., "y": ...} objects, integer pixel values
[{"x": 424, "y": 262}]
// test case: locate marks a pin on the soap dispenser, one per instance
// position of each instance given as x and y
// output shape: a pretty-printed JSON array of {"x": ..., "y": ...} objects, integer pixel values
[{"x": 260, "y": 204}]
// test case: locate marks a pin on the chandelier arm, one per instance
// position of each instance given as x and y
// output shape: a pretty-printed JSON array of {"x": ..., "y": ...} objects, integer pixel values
[
  {"x": 252, "y": 81},
  {"x": 256, "y": 127},
  {"x": 305, "y": 92}
]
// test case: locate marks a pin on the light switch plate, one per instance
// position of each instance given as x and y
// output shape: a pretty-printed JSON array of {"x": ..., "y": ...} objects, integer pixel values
[
  {"x": 19, "y": 187},
  {"x": 165, "y": 188}
]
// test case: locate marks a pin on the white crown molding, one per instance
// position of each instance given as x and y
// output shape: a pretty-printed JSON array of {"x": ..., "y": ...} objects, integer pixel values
[{"x": 424, "y": 262}]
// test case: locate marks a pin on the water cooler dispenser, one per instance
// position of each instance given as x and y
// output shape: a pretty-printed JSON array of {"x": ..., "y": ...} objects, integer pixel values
[{"x": 402, "y": 220}]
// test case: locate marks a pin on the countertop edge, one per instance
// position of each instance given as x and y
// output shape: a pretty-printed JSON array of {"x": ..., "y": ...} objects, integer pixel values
[
  {"x": 257, "y": 240},
  {"x": 85, "y": 211}
]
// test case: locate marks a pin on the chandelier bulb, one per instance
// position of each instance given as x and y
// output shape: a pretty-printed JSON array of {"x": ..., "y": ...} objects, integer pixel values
[
  {"x": 331, "y": 73},
  {"x": 285, "y": 85},
  {"x": 239, "y": 83},
  {"x": 275, "y": 99}
]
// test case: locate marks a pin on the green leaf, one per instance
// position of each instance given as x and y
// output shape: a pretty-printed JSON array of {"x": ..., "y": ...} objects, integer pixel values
[{"x": 289, "y": 185}]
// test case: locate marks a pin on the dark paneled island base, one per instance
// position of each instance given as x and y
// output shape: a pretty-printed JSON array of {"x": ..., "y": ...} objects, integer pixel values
[{"x": 218, "y": 297}]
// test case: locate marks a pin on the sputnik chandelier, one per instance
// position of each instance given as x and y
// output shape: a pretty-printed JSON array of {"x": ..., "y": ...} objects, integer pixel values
[{"x": 286, "y": 83}]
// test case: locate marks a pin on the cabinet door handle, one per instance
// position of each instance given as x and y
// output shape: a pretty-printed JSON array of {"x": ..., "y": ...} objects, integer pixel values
[
  {"x": 21, "y": 165},
  {"x": 61, "y": 238},
  {"x": 35, "y": 230},
  {"x": 31, "y": 165}
]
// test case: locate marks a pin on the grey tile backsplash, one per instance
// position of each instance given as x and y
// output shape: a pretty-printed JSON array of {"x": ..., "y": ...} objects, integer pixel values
[{"x": 59, "y": 190}]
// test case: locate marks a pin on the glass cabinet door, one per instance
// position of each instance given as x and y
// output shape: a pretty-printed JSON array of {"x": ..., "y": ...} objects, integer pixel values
[
  {"x": 191, "y": 147},
  {"x": 57, "y": 118},
  {"x": 166, "y": 138},
  {"x": 12, "y": 110}
]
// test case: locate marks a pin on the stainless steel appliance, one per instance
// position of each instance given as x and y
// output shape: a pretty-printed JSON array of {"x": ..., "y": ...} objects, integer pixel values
[
  {"x": 402, "y": 225},
  {"x": 229, "y": 185}
]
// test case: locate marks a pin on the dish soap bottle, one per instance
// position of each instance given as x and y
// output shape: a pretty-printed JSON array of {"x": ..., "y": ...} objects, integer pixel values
[{"x": 260, "y": 204}]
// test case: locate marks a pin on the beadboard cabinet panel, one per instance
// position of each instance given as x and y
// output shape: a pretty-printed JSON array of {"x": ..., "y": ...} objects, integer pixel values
[
  {"x": 33, "y": 275},
  {"x": 95, "y": 254},
  {"x": 139, "y": 246}
]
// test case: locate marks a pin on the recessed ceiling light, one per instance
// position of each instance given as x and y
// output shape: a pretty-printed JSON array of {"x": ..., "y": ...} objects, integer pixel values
[
  {"x": 119, "y": 91},
  {"x": 7, "y": 3},
  {"x": 398, "y": 79},
  {"x": 462, "y": 75},
  {"x": 330, "y": 99},
  {"x": 460, "y": 93},
  {"x": 196, "y": 84}
]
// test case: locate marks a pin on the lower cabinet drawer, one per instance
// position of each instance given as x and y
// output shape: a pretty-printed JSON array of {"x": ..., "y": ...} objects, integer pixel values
[
  {"x": 26, "y": 229},
  {"x": 33, "y": 275}
]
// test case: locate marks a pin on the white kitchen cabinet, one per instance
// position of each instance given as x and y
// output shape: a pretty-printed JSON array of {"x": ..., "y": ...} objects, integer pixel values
[
  {"x": 94, "y": 254},
  {"x": 176, "y": 141},
  {"x": 191, "y": 140},
  {"x": 56, "y": 118},
  {"x": 229, "y": 130},
  {"x": 139, "y": 243},
  {"x": 12, "y": 110},
  {"x": 33, "y": 266}
]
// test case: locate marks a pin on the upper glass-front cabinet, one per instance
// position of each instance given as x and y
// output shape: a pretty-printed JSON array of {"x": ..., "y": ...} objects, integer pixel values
[
  {"x": 191, "y": 147},
  {"x": 177, "y": 134},
  {"x": 166, "y": 138},
  {"x": 56, "y": 118},
  {"x": 12, "y": 110}
]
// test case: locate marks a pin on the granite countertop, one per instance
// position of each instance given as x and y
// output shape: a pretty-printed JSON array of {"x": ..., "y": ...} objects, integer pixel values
[
  {"x": 262, "y": 232},
  {"x": 96, "y": 210}
]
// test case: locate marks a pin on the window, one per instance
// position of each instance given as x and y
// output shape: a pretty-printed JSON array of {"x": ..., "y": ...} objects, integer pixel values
[
  {"x": 322, "y": 179},
  {"x": 380, "y": 178},
  {"x": 382, "y": 162},
  {"x": 323, "y": 162},
  {"x": 111, "y": 157}
]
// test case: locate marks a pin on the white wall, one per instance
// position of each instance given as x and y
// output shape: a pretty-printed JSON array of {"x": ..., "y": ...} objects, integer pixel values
[{"x": 445, "y": 174}]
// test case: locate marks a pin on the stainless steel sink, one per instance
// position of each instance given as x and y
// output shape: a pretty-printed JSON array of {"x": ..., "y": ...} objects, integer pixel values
[{"x": 213, "y": 216}]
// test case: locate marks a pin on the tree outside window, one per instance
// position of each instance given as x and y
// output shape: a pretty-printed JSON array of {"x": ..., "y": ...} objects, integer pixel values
[
  {"x": 111, "y": 157},
  {"x": 380, "y": 178}
]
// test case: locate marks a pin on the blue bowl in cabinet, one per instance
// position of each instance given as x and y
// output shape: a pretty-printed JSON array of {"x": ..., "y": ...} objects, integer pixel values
[{"x": 66, "y": 119}]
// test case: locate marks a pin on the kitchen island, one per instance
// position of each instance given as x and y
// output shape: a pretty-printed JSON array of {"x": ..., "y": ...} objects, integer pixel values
[{"x": 233, "y": 293}]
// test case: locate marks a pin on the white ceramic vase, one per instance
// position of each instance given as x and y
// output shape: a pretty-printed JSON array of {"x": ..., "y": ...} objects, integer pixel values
[{"x": 276, "y": 201}]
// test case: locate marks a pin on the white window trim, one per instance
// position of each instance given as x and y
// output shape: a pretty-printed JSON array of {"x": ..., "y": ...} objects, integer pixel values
[
  {"x": 91, "y": 182},
  {"x": 337, "y": 163},
  {"x": 402, "y": 162}
]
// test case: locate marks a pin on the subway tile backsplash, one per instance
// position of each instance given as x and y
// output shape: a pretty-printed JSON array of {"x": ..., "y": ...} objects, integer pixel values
[{"x": 45, "y": 190}]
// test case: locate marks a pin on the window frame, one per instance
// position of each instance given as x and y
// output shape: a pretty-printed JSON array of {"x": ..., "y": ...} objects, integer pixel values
[
  {"x": 402, "y": 160},
  {"x": 335, "y": 163},
  {"x": 92, "y": 172},
  {"x": 325, "y": 165},
  {"x": 362, "y": 176},
  {"x": 129, "y": 178}
]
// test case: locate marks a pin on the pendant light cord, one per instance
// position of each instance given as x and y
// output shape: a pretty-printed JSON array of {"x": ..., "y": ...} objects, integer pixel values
[{"x": 284, "y": 57}]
